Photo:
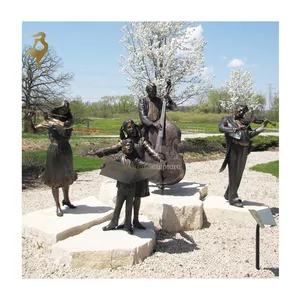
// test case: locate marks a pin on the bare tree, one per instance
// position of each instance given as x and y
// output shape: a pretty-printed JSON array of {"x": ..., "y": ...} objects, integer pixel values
[{"x": 41, "y": 87}]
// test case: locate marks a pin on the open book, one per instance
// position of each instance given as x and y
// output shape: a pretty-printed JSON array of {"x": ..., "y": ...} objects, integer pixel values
[{"x": 128, "y": 174}]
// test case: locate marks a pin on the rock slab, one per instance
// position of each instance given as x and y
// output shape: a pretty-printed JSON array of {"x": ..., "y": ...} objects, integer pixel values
[
  {"x": 46, "y": 227},
  {"x": 98, "y": 249},
  {"x": 178, "y": 209},
  {"x": 217, "y": 208}
]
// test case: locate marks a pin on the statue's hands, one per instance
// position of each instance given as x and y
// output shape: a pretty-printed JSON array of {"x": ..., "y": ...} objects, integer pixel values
[
  {"x": 29, "y": 115},
  {"x": 167, "y": 99},
  {"x": 99, "y": 153},
  {"x": 67, "y": 124},
  {"x": 46, "y": 116},
  {"x": 162, "y": 157},
  {"x": 241, "y": 127},
  {"x": 157, "y": 126},
  {"x": 266, "y": 122}
]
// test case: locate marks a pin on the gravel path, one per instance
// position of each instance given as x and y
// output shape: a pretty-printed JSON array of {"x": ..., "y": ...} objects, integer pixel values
[{"x": 222, "y": 250}]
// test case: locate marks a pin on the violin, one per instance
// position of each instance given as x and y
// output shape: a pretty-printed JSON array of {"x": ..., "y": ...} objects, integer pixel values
[
  {"x": 247, "y": 121},
  {"x": 166, "y": 142}
]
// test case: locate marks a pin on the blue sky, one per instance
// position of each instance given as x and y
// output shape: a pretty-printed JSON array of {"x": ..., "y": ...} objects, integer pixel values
[{"x": 91, "y": 50}]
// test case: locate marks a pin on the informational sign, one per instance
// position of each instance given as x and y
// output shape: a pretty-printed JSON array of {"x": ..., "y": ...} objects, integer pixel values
[{"x": 263, "y": 217}]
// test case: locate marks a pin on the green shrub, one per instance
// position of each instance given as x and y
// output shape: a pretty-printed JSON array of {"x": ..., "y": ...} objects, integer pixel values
[
  {"x": 218, "y": 144},
  {"x": 35, "y": 160},
  {"x": 264, "y": 142}
]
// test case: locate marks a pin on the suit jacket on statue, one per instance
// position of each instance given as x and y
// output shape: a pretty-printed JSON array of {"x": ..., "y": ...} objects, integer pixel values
[
  {"x": 143, "y": 108},
  {"x": 228, "y": 126}
]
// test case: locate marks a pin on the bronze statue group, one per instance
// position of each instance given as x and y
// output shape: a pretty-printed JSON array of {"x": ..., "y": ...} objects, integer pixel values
[{"x": 154, "y": 136}]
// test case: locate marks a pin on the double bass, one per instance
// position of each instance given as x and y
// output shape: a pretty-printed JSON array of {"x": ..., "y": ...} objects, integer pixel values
[{"x": 166, "y": 141}]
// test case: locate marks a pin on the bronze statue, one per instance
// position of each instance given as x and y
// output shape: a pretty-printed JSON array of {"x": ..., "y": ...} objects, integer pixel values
[
  {"x": 59, "y": 170},
  {"x": 141, "y": 146},
  {"x": 126, "y": 191},
  {"x": 163, "y": 135},
  {"x": 238, "y": 145}
]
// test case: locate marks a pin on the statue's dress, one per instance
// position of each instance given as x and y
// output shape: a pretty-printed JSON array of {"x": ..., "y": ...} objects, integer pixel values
[{"x": 59, "y": 162}]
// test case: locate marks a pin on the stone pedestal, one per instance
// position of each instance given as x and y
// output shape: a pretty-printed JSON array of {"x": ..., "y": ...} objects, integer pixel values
[
  {"x": 178, "y": 209},
  {"x": 216, "y": 208},
  {"x": 45, "y": 227},
  {"x": 98, "y": 249}
]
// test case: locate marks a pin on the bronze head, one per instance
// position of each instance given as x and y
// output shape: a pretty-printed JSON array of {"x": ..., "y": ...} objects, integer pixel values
[
  {"x": 151, "y": 90},
  {"x": 127, "y": 146},
  {"x": 129, "y": 127},
  {"x": 240, "y": 111}
]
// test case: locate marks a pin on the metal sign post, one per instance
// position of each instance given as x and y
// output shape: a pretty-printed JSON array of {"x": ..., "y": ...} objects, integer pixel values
[
  {"x": 262, "y": 217},
  {"x": 257, "y": 247}
]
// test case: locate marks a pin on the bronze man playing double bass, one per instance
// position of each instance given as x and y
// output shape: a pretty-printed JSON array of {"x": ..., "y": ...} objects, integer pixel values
[{"x": 162, "y": 134}]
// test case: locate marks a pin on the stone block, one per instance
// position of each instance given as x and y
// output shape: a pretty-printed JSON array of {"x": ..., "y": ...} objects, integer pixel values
[
  {"x": 45, "y": 227},
  {"x": 178, "y": 209},
  {"x": 98, "y": 249},
  {"x": 217, "y": 208}
]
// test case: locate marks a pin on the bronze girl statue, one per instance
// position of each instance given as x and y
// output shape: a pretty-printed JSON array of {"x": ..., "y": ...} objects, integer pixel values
[
  {"x": 59, "y": 170},
  {"x": 130, "y": 130}
]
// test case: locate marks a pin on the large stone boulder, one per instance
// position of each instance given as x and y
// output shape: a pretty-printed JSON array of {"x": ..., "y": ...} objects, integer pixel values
[
  {"x": 98, "y": 249},
  {"x": 178, "y": 209},
  {"x": 216, "y": 208},
  {"x": 45, "y": 227}
]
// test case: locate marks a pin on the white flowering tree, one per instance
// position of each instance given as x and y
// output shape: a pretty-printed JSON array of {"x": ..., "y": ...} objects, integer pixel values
[
  {"x": 159, "y": 51},
  {"x": 239, "y": 89}
]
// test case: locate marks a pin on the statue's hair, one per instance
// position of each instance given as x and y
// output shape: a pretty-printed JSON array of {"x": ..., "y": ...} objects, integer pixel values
[
  {"x": 123, "y": 127},
  {"x": 150, "y": 86},
  {"x": 125, "y": 141},
  {"x": 243, "y": 106}
]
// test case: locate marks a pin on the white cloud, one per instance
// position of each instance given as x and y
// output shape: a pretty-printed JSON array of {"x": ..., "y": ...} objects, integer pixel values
[
  {"x": 197, "y": 32},
  {"x": 207, "y": 71},
  {"x": 236, "y": 63}
]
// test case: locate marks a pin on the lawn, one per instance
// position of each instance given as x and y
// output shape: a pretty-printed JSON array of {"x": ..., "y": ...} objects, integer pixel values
[
  {"x": 271, "y": 168},
  {"x": 187, "y": 122},
  {"x": 81, "y": 164}
]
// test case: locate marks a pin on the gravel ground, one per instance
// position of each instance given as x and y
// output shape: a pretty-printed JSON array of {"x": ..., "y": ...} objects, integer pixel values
[{"x": 220, "y": 250}]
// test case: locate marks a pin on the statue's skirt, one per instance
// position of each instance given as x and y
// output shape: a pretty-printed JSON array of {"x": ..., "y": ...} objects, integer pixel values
[{"x": 59, "y": 165}]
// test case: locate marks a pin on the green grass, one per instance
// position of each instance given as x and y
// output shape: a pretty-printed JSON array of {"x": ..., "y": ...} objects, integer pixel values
[
  {"x": 271, "y": 167},
  {"x": 81, "y": 164},
  {"x": 187, "y": 122}
]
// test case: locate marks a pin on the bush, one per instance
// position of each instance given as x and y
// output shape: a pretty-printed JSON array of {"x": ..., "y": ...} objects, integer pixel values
[
  {"x": 203, "y": 145},
  {"x": 34, "y": 160},
  {"x": 218, "y": 144},
  {"x": 264, "y": 142}
]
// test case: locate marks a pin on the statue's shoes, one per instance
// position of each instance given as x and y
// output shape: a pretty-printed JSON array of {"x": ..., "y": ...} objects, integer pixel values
[
  {"x": 237, "y": 203},
  {"x": 138, "y": 225},
  {"x": 121, "y": 226},
  {"x": 59, "y": 213},
  {"x": 110, "y": 226},
  {"x": 68, "y": 203}
]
